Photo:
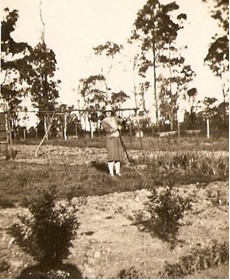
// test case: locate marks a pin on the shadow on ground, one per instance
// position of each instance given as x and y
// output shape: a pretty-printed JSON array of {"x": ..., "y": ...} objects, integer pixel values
[
  {"x": 63, "y": 271},
  {"x": 100, "y": 166}
]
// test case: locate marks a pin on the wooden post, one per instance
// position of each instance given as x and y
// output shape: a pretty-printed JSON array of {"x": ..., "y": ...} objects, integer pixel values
[
  {"x": 24, "y": 133},
  {"x": 3, "y": 135},
  {"x": 45, "y": 136},
  {"x": 139, "y": 132},
  {"x": 91, "y": 129},
  {"x": 178, "y": 129},
  {"x": 76, "y": 130},
  {"x": 65, "y": 126},
  {"x": 208, "y": 133},
  {"x": 131, "y": 134}
]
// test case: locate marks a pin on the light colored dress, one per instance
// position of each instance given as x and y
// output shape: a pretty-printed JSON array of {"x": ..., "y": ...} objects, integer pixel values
[{"x": 113, "y": 142}]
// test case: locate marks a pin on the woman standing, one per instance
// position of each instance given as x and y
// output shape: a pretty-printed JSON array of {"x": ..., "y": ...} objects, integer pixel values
[{"x": 111, "y": 125}]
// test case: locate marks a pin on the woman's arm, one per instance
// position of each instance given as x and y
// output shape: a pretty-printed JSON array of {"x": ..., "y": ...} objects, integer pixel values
[{"x": 107, "y": 127}]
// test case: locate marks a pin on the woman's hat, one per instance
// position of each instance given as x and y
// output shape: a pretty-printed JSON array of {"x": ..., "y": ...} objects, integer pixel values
[{"x": 108, "y": 108}]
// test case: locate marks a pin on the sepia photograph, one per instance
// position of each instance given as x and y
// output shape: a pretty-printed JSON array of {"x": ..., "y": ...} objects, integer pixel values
[{"x": 114, "y": 139}]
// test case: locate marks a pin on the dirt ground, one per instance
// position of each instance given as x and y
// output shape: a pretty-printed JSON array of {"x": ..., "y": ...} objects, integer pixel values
[{"x": 107, "y": 240}]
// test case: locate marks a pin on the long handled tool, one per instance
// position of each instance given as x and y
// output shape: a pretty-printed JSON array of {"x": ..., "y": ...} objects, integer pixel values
[{"x": 127, "y": 155}]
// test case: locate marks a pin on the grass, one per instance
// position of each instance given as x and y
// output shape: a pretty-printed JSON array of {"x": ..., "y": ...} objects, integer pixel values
[
  {"x": 191, "y": 162},
  {"x": 146, "y": 143},
  {"x": 20, "y": 180}
]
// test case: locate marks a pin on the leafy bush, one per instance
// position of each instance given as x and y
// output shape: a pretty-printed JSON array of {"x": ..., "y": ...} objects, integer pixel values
[
  {"x": 186, "y": 166},
  {"x": 129, "y": 273},
  {"x": 196, "y": 260},
  {"x": 47, "y": 232},
  {"x": 166, "y": 208},
  {"x": 4, "y": 266}
]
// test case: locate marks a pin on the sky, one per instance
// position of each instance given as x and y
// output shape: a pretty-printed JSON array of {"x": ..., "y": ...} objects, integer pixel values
[{"x": 74, "y": 27}]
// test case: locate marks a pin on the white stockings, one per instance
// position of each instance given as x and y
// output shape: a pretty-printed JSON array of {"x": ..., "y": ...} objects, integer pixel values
[{"x": 117, "y": 165}]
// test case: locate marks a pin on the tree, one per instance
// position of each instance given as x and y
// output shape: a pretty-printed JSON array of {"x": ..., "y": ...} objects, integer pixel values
[
  {"x": 109, "y": 49},
  {"x": 142, "y": 88},
  {"x": 94, "y": 96},
  {"x": 118, "y": 98},
  {"x": 63, "y": 120},
  {"x": 218, "y": 53},
  {"x": 210, "y": 107},
  {"x": 93, "y": 92},
  {"x": 155, "y": 29},
  {"x": 44, "y": 86},
  {"x": 173, "y": 84},
  {"x": 15, "y": 66}
]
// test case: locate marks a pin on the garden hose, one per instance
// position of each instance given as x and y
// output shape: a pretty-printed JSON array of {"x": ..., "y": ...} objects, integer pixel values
[{"x": 127, "y": 155}]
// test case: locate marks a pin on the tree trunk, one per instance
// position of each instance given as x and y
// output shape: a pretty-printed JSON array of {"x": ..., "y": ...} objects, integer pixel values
[
  {"x": 155, "y": 87},
  {"x": 224, "y": 103},
  {"x": 45, "y": 127},
  {"x": 171, "y": 117}
]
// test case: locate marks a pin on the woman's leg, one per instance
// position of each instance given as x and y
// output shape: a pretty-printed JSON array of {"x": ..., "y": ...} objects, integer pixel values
[
  {"x": 118, "y": 168},
  {"x": 111, "y": 166}
]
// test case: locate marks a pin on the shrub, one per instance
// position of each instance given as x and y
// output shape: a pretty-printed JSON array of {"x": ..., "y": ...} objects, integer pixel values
[
  {"x": 129, "y": 273},
  {"x": 187, "y": 167},
  {"x": 196, "y": 260},
  {"x": 166, "y": 208},
  {"x": 4, "y": 266},
  {"x": 46, "y": 233}
]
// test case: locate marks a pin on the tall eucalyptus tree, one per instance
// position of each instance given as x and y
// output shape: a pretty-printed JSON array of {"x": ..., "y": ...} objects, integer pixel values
[
  {"x": 156, "y": 30},
  {"x": 109, "y": 49},
  {"x": 218, "y": 53},
  {"x": 15, "y": 67},
  {"x": 44, "y": 86}
]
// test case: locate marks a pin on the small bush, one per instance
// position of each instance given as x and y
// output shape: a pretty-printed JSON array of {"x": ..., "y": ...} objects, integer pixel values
[
  {"x": 198, "y": 259},
  {"x": 47, "y": 232},
  {"x": 129, "y": 273},
  {"x": 166, "y": 208},
  {"x": 4, "y": 266}
]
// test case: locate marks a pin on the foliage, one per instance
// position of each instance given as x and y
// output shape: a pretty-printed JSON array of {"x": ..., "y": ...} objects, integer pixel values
[
  {"x": 109, "y": 48},
  {"x": 15, "y": 66},
  {"x": 219, "y": 11},
  {"x": 180, "y": 76},
  {"x": 4, "y": 266},
  {"x": 157, "y": 32},
  {"x": 196, "y": 260},
  {"x": 129, "y": 273},
  {"x": 185, "y": 167},
  {"x": 174, "y": 84},
  {"x": 167, "y": 208},
  {"x": 44, "y": 87},
  {"x": 217, "y": 57},
  {"x": 65, "y": 122},
  {"x": 93, "y": 92},
  {"x": 47, "y": 232}
]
